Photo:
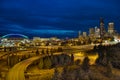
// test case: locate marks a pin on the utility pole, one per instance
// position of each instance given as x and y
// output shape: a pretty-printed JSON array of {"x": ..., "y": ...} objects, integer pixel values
[{"x": 8, "y": 60}]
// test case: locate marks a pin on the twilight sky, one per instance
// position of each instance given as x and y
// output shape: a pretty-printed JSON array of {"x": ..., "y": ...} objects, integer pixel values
[{"x": 62, "y": 18}]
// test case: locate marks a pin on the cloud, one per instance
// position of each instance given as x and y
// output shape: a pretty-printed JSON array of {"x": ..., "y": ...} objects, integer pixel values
[
  {"x": 60, "y": 32},
  {"x": 52, "y": 16}
]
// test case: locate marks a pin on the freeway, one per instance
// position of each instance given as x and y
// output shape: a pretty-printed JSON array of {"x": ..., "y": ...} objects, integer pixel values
[
  {"x": 3, "y": 54},
  {"x": 17, "y": 72}
]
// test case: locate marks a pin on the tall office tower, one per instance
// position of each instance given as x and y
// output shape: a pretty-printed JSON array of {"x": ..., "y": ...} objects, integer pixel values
[
  {"x": 96, "y": 29},
  {"x": 79, "y": 34},
  {"x": 84, "y": 34},
  {"x": 102, "y": 28},
  {"x": 97, "y": 32},
  {"x": 91, "y": 31},
  {"x": 111, "y": 28}
]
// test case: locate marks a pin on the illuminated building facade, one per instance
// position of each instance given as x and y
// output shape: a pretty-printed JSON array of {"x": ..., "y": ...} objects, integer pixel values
[
  {"x": 102, "y": 28},
  {"x": 111, "y": 28}
]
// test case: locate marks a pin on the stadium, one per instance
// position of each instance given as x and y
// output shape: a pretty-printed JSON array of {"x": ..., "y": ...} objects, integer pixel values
[{"x": 10, "y": 40}]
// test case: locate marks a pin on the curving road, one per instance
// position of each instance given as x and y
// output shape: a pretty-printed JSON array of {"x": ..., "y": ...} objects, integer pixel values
[{"x": 17, "y": 72}]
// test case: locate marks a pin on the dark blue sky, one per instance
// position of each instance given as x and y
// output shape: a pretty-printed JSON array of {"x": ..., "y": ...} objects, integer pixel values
[{"x": 46, "y": 18}]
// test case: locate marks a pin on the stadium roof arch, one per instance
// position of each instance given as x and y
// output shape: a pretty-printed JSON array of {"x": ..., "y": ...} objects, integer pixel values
[{"x": 15, "y": 36}]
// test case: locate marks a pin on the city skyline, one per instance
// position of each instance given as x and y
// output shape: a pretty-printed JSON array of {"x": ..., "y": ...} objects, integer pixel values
[
  {"x": 92, "y": 31},
  {"x": 56, "y": 18}
]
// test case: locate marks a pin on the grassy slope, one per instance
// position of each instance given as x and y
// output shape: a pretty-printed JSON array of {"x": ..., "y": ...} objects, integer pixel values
[{"x": 97, "y": 72}]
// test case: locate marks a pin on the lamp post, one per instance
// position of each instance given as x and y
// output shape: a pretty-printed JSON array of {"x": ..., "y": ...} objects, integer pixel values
[{"x": 8, "y": 60}]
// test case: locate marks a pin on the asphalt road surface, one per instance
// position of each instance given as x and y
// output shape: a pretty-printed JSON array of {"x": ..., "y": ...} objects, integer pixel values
[{"x": 17, "y": 72}]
